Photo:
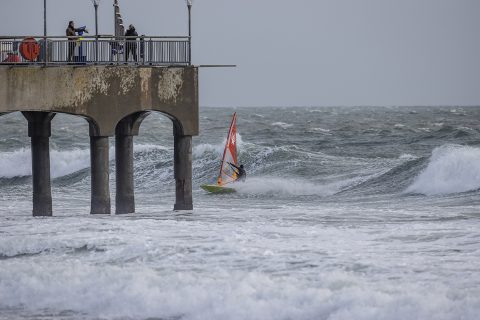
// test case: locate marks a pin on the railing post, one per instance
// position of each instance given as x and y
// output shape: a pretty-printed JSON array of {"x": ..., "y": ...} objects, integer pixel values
[
  {"x": 45, "y": 50},
  {"x": 150, "y": 50}
]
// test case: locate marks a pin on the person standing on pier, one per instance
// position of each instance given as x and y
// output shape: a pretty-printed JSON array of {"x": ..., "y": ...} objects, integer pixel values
[
  {"x": 131, "y": 40},
  {"x": 71, "y": 33}
]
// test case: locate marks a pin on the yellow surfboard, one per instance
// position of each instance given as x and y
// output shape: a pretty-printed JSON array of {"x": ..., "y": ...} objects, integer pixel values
[{"x": 215, "y": 188}]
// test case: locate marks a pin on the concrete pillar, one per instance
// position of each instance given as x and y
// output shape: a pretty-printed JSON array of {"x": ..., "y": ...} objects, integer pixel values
[
  {"x": 125, "y": 196},
  {"x": 100, "y": 199},
  {"x": 183, "y": 172},
  {"x": 39, "y": 129}
]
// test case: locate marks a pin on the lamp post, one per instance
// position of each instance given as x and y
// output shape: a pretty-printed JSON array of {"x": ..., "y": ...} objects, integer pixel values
[
  {"x": 45, "y": 42},
  {"x": 44, "y": 18},
  {"x": 189, "y": 6},
  {"x": 95, "y": 5}
]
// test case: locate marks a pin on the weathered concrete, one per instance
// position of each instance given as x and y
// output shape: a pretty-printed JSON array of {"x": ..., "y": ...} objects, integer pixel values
[
  {"x": 103, "y": 94},
  {"x": 124, "y": 198},
  {"x": 100, "y": 198},
  {"x": 183, "y": 172},
  {"x": 39, "y": 129},
  {"x": 126, "y": 129},
  {"x": 114, "y": 100}
]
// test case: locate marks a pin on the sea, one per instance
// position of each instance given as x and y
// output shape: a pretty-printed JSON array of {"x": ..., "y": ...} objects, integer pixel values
[{"x": 346, "y": 213}]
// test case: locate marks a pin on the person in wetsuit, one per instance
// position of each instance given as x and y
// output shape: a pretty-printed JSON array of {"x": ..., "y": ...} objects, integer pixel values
[{"x": 240, "y": 171}]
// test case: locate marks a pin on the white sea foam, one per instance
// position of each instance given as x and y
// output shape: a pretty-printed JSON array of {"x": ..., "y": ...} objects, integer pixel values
[
  {"x": 218, "y": 148},
  {"x": 134, "y": 292},
  {"x": 203, "y": 148},
  {"x": 149, "y": 147},
  {"x": 282, "y": 125},
  {"x": 407, "y": 156},
  {"x": 287, "y": 186},
  {"x": 322, "y": 130},
  {"x": 452, "y": 169},
  {"x": 68, "y": 162},
  {"x": 18, "y": 163}
]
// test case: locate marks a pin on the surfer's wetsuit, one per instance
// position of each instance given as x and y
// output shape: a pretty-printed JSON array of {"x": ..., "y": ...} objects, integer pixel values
[{"x": 241, "y": 173}]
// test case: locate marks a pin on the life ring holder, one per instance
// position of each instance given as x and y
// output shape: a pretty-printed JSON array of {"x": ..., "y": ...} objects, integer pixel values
[{"x": 29, "y": 49}]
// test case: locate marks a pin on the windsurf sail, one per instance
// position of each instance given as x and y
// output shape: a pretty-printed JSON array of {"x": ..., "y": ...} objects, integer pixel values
[{"x": 227, "y": 173}]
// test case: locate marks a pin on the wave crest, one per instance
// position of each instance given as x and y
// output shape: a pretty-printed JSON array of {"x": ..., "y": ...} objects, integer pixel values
[
  {"x": 451, "y": 169},
  {"x": 286, "y": 187}
]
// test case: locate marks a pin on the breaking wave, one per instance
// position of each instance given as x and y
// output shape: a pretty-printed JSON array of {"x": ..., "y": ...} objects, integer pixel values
[
  {"x": 451, "y": 169},
  {"x": 283, "y": 170},
  {"x": 139, "y": 292},
  {"x": 285, "y": 186},
  {"x": 62, "y": 163},
  {"x": 19, "y": 163}
]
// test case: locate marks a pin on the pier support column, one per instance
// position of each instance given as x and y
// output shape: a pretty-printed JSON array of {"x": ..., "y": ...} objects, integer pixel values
[
  {"x": 100, "y": 199},
  {"x": 183, "y": 172},
  {"x": 39, "y": 129},
  {"x": 125, "y": 196}
]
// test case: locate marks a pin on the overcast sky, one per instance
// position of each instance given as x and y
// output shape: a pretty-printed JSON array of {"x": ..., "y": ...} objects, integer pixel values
[{"x": 301, "y": 52}]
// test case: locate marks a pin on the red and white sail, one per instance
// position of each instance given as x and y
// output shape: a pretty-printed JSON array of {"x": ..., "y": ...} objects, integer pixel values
[{"x": 227, "y": 173}]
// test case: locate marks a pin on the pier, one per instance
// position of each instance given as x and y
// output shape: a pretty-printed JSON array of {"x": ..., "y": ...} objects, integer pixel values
[{"x": 39, "y": 77}]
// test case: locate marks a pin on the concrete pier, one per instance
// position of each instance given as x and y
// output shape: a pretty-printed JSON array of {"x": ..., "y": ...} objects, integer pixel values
[
  {"x": 125, "y": 196},
  {"x": 100, "y": 193},
  {"x": 183, "y": 172},
  {"x": 114, "y": 100},
  {"x": 39, "y": 129}
]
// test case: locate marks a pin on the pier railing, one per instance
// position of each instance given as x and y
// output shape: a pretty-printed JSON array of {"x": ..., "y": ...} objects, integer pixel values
[{"x": 103, "y": 50}]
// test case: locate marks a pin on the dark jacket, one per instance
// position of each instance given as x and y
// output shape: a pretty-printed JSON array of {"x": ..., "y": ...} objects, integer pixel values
[
  {"x": 131, "y": 33},
  {"x": 241, "y": 173},
  {"x": 71, "y": 31}
]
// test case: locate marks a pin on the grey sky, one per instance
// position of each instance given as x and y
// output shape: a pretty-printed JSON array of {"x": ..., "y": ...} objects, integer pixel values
[{"x": 302, "y": 52}]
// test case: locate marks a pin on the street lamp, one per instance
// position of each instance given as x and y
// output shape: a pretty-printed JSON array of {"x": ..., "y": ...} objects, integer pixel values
[
  {"x": 95, "y": 5},
  {"x": 44, "y": 18},
  {"x": 189, "y": 6}
]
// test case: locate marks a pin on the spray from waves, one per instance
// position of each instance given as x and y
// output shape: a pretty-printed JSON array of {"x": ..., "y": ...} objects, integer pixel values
[
  {"x": 217, "y": 149},
  {"x": 129, "y": 292},
  {"x": 62, "y": 163},
  {"x": 289, "y": 187},
  {"x": 452, "y": 169},
  {"x": 18, "y": 163},
  {"x": 282, "y": 125}
]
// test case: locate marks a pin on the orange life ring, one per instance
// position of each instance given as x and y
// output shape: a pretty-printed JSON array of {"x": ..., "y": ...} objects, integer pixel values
[{"x": 29, "y": 49}]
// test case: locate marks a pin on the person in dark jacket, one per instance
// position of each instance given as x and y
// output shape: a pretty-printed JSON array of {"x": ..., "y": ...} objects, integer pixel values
[
  {"x": 71, "y": 33},
  {"x": 240, "y": 171},
  {"x": 131, "y": 40}
]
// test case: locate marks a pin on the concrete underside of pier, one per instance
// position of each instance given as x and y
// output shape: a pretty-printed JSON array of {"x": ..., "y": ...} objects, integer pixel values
[{"x": 103, "y": 94}]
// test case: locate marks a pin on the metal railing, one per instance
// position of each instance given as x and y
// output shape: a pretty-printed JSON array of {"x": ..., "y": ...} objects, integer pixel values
[{"x": 104, "y": 50}]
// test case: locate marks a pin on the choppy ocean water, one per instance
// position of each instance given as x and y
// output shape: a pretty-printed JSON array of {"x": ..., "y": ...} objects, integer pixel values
[{"x": 347, "y": 213}]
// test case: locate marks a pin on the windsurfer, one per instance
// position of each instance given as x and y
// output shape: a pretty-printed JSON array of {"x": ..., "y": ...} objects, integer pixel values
[{"x": 240, "y": 171}]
